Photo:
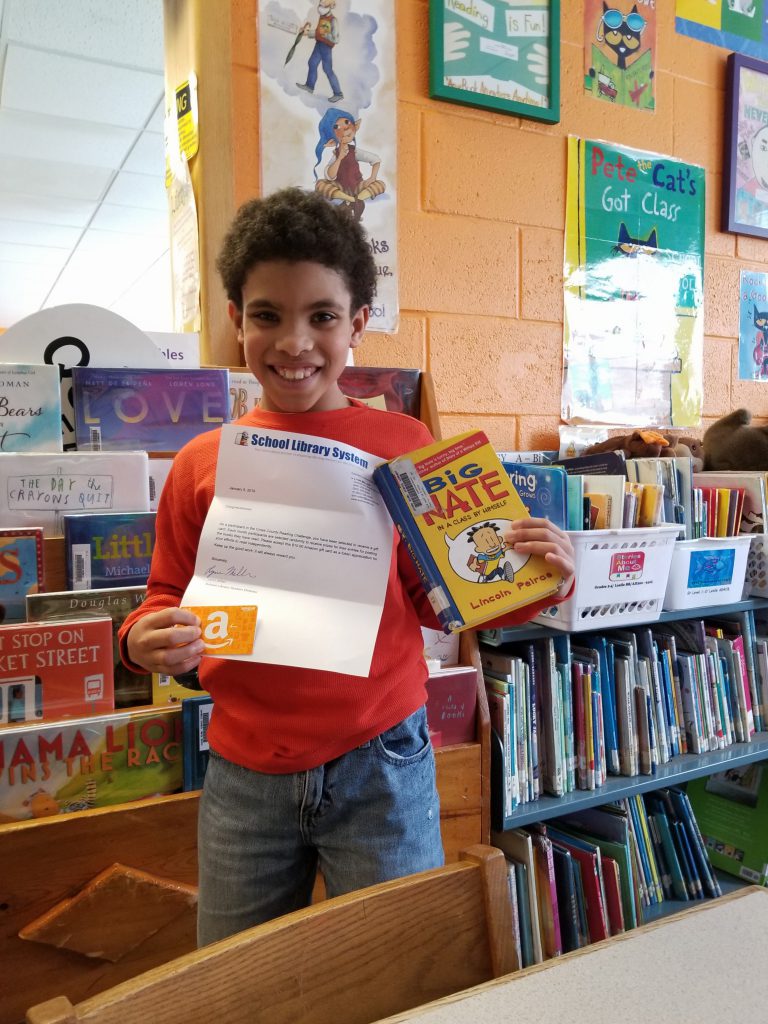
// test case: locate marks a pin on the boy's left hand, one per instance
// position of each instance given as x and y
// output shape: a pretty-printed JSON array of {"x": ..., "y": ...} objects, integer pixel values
[{"x": 540, "y": 537}]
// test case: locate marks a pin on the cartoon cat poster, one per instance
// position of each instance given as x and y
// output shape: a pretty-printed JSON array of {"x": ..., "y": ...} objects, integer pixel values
[
  {"x": 620, "y": 52},
  {"x": 753, "y": 326},
  {"x": 328, "y": 117},
  {"x": 633, "y": 293}
]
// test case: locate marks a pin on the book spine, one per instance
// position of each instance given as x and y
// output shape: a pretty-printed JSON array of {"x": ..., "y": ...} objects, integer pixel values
[{"x": 443, "y": 605}]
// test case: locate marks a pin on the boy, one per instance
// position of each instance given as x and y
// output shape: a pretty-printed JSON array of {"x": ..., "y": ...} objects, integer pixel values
[{"x": 308, "y": 769}]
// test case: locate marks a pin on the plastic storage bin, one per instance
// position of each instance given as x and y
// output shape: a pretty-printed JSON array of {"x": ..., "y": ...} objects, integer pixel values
[
  {"x": 621, "y": 577},
  {"x": 707, "y": 571}
]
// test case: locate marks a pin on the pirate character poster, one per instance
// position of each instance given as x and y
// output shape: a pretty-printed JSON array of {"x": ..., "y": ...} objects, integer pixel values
[
  {"x": 328, "y": 118},
  {"x": 620, "y": 52},
  {"x": 633, "y": 276}
]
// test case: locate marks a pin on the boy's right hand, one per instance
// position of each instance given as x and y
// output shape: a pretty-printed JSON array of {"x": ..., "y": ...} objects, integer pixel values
[{"x": 167, "y": 641}]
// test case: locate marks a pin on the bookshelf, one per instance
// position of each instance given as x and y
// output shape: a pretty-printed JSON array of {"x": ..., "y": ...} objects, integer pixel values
[
  {"x": 676, "y": 772},
  {"x": 533, "y": 630}
]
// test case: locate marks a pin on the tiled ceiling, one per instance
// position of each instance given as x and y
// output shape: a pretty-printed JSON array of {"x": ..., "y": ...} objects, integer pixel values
[{"x": 83, "y": 212}]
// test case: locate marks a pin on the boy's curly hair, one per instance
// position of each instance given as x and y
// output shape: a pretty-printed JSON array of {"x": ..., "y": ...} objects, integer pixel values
[{"x": 295, "y": 225}]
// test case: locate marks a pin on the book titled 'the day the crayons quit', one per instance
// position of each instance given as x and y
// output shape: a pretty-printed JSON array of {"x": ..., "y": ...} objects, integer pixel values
[{"x": 452, "y": 502}]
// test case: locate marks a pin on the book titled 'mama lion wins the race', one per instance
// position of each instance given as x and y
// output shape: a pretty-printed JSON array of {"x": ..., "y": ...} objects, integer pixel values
[
  {"x": 451, "y": 502},
  {"x": 58, "y": 767}
]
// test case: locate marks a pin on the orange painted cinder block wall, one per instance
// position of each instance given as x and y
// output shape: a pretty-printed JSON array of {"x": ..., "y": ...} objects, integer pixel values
[{"x": 482, "y": 208}]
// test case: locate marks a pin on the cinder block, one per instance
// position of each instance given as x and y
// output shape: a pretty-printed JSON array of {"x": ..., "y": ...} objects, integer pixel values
[{"x": 541, "y": 274}]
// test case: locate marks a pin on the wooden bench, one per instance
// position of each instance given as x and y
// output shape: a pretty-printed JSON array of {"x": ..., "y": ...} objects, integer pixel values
[{"x": 352, "y": 959}]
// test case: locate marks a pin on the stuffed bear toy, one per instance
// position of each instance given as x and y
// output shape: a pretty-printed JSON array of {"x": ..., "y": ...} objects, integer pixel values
[
  {"x": 731, "y": 443},
  {"x": 690, "y": 446}
]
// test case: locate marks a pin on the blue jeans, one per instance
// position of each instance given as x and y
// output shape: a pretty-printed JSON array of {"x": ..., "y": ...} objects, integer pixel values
[
  {"x": 322, "y": 54},
  {"x": 367, "y": 817}
]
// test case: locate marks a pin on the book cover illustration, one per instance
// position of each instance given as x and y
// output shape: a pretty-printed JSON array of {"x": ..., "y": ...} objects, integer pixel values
[
  {"x": 452, "y": 704},
  {"x": 542, "y": 490},
  {"x": 59, "y": 767},
  {"x": 244, "y": 392},
  {"x": 30, "y": 408},
  {"x": 55, "y": 670},
  {"x": 38, "y": 489},
  {"x": 730, "y": 809},
  {"x": 131, "y": 688},
  {"x": 21, "y": 570},
  {"x": 451, "y": 502},
  {"x": 106, "y": 548},
  {"x": 155, "y": 410},
  {"x": 168, "y": 690},
  {"x": 383, "y": 387},
  {"x": 195, "y": 716}
]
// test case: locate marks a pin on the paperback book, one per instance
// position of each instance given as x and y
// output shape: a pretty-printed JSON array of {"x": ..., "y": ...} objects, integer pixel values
[
  {"x": 55, "y": 670},
  {"x": 21, "y": 570},
  {"x": 155, "y": 410},
  {"x": 58, "y": 767},
  {"x": 131, "y": 688},
  {"x": 106, "y": 548},
  {"x": 39, "y": 489},
  {"x": 452, "y": 501},
  {"x": 30, "y": 408}
]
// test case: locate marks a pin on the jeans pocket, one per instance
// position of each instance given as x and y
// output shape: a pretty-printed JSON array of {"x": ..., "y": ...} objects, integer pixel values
[{"x": 407, "y": 742}]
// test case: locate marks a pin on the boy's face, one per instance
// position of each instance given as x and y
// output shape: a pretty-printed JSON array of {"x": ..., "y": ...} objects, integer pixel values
[{"x": 296, "y": 329}]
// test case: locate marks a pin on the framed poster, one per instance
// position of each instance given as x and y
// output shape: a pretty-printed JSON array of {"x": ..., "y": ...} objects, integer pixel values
[
  {"x": 745, "y": 164},
  {"x": 493, "y": 54}
]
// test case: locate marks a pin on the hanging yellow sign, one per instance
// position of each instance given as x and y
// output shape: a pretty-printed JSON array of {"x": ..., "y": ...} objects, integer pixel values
[{"x": 186, "y": 116}]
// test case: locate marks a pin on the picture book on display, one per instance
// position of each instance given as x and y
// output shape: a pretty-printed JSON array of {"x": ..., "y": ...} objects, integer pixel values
[
  {"x": 38, "y": 489},
  {"x": 131, "y": 688},
  {"x": 59, "y": 767},
  {"x": 451, "y": 502},
  {"x": 195, "y": 716},
  {"x": 55, "y": 670},
  {"x": 30, "y": 408},
  {"x": 21, "y": 570},
  {"x": 155, "y": 410},
  {"x": 106, "y": 548},
  {"x": 383, "y": 388},
  {"x": 731, "y": 809}
]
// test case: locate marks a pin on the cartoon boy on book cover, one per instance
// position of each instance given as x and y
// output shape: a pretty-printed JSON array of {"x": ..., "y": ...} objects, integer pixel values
[{"x": 491, "y": 558}]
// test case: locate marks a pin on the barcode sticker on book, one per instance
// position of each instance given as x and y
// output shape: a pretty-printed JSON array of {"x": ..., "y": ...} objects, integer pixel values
[
  {"x": 412, "y": 487},
  {"x": 81, "y": 566},
  {"x": 94, "y": 438},
  {"x": 204, "y": 712}
]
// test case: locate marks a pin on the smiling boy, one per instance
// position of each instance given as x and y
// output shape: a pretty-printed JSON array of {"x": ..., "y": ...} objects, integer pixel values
[{"x": 308, "y": 769}]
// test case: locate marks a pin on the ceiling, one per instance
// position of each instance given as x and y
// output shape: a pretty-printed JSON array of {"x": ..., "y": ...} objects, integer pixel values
[{"x": 83, "y": 212}]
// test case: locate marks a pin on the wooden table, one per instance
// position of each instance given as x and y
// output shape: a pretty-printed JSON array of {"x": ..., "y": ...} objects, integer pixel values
[{"x": 705, "y": 964}]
